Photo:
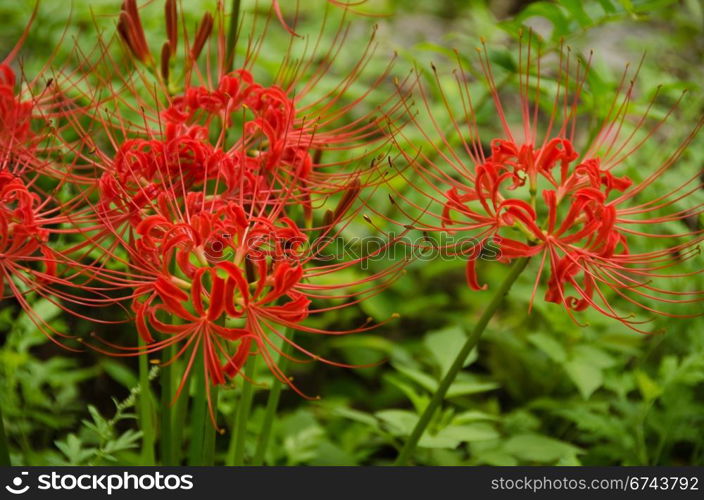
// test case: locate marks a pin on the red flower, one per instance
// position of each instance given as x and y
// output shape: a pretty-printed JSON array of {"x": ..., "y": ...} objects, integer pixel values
[
  {"x": 286, "y": 124},
  {"x": 22, "y": 234},
  {"x": 540, "y": 194},
  {"x": 233, "y": 278},
  {"x": 15, "y": 115},
  {"x": 195, "y": 221},
  {"x": 27, "y": 213},
  {"x": 33, "y": 171}
]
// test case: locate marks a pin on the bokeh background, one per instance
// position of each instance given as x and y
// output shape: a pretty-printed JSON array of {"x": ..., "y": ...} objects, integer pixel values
[{"x": 540, "y": 390}]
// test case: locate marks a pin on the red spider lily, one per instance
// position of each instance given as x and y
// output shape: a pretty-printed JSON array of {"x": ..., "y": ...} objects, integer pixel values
[
  {"x": 194, "y": 225},
  {"x": 227, "y": 134},
  {"x": 34, "y": 112},
  {"x": 22, "y": 233},
  {"x": 33, "y": 171},
  {"x": 281, "y": 128},
  {"x": 543, "y": 192},
  {"x": 234, "y": 279},
  {"x": 28, "y": 215},
  {"x": 233, "y": 275},
  {"x": 15, "y": 115}
]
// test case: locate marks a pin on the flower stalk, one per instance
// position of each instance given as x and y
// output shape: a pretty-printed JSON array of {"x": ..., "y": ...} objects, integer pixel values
[
  {"x": 472, "y": 339},
  {"x": 203, "y": 425},
  {"x": 145, "y": 410},
  {"x": 232, "y": 34},
  {"x": 236, "y": 451},
  {"x": 180, "y": 412},
  {"x": 199, "y": 414},
  {"x": 211, "y": 432},
  {"x": 166, "y": 442},
  {"x": 271, "y": 408}
]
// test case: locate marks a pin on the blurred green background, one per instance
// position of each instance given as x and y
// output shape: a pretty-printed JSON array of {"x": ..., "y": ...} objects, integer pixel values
[{"x": 541, "y": 390}]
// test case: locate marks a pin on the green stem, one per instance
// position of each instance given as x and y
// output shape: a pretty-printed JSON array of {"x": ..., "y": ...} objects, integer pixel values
[
  {"x": 236, "y": 451},
  {"x": 179, "y": 422},
  {"x": 202, "y": 446},
  {"x": 232, "y": 34},
  {"x": 166, "y": 442},
  {"x": 4, "y": 448},
  {"x": 173, "y": 418},
  {"x": 210, "y": 432},
  {"x": 145, "y": 410},
  {"x": 199, "y": 414},
  {"x": 471, "y": 342},
  {"x": 271, "y": 407}
]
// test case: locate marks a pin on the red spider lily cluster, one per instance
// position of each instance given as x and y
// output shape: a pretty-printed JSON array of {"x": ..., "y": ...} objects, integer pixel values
[
  {"x": 535, "y": 193},
  {"x": 23, "y": 234},
  {"x": 200, "y": 193},
  {"x": 204, "y": 196},
  {"x": 181, "y": 158},
  {"x": 29, "y": 214}
]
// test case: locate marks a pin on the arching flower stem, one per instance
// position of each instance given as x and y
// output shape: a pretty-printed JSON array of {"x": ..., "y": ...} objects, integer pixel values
[{"x": 410, "y": 445}]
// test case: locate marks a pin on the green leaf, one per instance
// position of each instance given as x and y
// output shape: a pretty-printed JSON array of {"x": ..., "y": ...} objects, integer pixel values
[
  {"x": 418, "y": 400},
  {"x": 379, "y": 306},
  {"x": 438, "y": 49},
  {"x": 585, "y": 376},
  {"x": 576, "y": 10},
  {"x": 593, "y": 356},
  {"x": 328, "y": 454},
  {"x": 126, "y": 441},
  {"x": 550, "y": 11},
  {"x": 301, "y": 447},
  {"x": 398, "y": 422},
  {"x": 607, "y": 6},
  {"x": 468, "y": 387},
  {"x": 43, "y": 309},
  {"x": 463, "y": 386},
  {"x": 355, "y": 415},
  {"x": 402, "y": 422},
  {"x": 73, "y": 449},
  {"x": 538, "y": 448},
  {"x": 647, "y": 386},
  {"x": 503, "y": 59},
  {"x": 444, "y": 345},
  {"x": 119, "y": 372},
  {"x": 99, "y": 425},
  {"x": 548, "y": 345},
  {"x": 422, "y": 379},
  {"x": 473, "y": 416},
  {"x": 628, "y": 5},
  {"x": 469, "y": 432},
  {"x": 495, "y": 457}
]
